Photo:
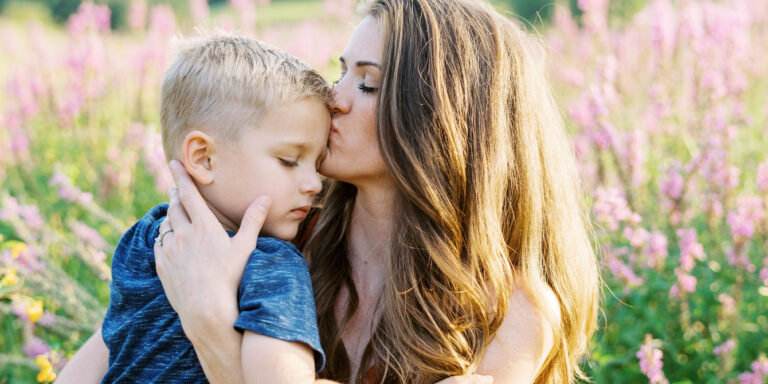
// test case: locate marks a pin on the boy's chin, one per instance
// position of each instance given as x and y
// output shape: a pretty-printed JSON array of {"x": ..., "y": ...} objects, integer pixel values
[{"x": 286, "y": 232}]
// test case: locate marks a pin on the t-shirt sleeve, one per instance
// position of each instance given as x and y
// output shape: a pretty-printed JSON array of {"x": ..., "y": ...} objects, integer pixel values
[{"x": 276, "y": 297}]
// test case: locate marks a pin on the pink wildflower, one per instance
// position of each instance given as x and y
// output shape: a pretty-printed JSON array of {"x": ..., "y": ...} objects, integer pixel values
[
  {"x": 154, "y": 158},
  {"x": 650, "y": 361},
  {"x": 724, "y": 348},
  {"x": 88, "y": 235},
  {"x": 672, "y": 185},
  {"x": 199, "y": 10},
  {"x": 621, "y": 270},
  {"x": 595, "y": 14},
  {"x": 68, "y": 191},
  {"x": 35, "y": 347},
  {"x": 758, "y": 374},
  {"x": 163, "y": 20},
  {"x": 342, "y": 9},
  {"x": 31, "y": 216},
  {"x": 611, "y": 209},
  {"x": 47, "y": 320},
  {"x": 690, "y": 248},
  {"x": 685, "y": 283},
  {"x": 762, "y": 177},
  {"x": 137, "y": 15},
  {"x": 747, "y": 215},
  {"x": 657, "y": 249},
  {"x": 637, "y": 237},
  {"x": 89, "y": 16},
  {"x": 738, "y": 258}
]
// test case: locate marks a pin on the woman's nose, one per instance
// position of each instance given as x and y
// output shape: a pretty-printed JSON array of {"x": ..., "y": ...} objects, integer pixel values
[{"x": 341, "y": 102}]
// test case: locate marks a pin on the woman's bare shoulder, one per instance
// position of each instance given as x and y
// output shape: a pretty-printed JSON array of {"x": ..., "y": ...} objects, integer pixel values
[{"x": 524, "y": 339}]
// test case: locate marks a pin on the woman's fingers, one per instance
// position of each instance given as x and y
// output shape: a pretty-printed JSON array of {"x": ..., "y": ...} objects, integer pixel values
[
  {"x": 189, "y": 196},
  {"x": 253, "y": 219},
  {"x": 176, "y": 213}
]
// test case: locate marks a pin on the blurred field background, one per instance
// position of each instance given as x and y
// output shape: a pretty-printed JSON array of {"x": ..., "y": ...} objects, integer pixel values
[{"x": 666, "y": 102}]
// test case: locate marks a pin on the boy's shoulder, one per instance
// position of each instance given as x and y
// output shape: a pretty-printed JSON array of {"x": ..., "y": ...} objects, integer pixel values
[
  {"x": 144, "y": 231},
  {"x": 139, "y": 240},
  {"x": 271, "y": 245},
  {"x": 270, "y": 250}
]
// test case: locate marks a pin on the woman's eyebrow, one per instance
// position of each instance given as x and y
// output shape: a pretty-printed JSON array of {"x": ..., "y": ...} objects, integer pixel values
[{"x": 362, "y": 63}]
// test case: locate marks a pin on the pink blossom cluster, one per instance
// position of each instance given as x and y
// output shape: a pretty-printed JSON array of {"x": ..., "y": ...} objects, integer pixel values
[
  {"x": 34, "y": 347},
  {"x": 246, "y": 10},
  {"x": 652, "y": 244},
  {"x": 611, "y": 209},
  {"x": 69, "y": 191},
  {"x": 724, "y": 348},
  {"x": 764, "y": 270},
  {"x": 672, "y": 185},
  {"x": 762, "y": 177},
  {"x": 747, "y": 216},
  {"x": 26, "y": 261},
  {"x": 595, "y": 14},
  {"x": 650, "y": 361},
  {"x": 137, "y": 15},
  {"x": 151, "y": 55},
  {"x": 30, "y": 214},
  {"x": 341, "y": 9},
  {"x": 657, "y": 249},
  {"x": 154, "y": 158},
  {"x": 18, "y": 308},
  {"x": 758, "y": 374},
  {"x": 87, "y": 60},
  {"x": 199, "y": 10},
  {"x": 728, "y": 304},
  {"x": 620, "y": 270},
  {"x": 690, "y": 250},
  {"x": 88, "y": 235},
  {"x": 89, "y": 17}
]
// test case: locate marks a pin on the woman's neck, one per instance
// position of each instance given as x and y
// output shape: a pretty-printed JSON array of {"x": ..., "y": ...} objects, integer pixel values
[{"x": 369, "y": 234}]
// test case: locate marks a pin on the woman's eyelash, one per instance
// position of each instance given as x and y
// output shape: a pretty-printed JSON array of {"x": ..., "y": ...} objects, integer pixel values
[
  {"x": 365, "y": 88},
  {"x": 289, "y": 163}
]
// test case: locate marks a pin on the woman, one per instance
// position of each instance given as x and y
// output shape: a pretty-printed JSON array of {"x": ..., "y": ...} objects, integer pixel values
[{"x": 451, "y": 240}]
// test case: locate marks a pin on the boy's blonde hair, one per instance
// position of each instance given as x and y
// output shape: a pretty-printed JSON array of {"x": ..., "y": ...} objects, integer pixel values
[{"x": 220, "y": 84}]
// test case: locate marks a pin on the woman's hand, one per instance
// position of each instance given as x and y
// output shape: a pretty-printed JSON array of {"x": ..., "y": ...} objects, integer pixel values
[
  {"x": 199, "y": 264},
  {"x": 200, "y": 268}
]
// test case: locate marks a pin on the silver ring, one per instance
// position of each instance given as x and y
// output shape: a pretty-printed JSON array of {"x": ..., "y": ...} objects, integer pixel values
[{"x": 161, "y": 236}]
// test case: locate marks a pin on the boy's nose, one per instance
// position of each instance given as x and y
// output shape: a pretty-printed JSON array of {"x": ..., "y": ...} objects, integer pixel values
[{"x": 312, "y": 184}]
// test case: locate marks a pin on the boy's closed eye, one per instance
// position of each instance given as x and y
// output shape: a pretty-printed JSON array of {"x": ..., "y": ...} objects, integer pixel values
[{"x": 289, "y": 163}]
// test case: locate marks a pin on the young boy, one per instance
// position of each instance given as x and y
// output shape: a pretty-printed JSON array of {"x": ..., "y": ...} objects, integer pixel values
[{"x": 246, "y": 120}]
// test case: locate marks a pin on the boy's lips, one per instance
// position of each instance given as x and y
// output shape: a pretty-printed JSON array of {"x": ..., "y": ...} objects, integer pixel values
[{"x": 301, "y": 212}]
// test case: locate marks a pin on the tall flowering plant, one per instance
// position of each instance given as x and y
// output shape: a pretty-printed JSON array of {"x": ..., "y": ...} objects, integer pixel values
[{"x": 668, "y": 118}]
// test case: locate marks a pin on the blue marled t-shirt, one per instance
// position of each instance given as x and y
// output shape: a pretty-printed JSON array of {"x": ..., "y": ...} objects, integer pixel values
[{"x": 143, "y": 333}]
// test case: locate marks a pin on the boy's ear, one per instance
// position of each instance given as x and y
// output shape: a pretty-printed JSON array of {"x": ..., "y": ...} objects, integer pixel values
[{"x": 197, "y": 154}]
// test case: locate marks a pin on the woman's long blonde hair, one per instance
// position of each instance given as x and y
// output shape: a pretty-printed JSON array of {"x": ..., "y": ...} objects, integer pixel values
[{"x": 487, "y": 201}]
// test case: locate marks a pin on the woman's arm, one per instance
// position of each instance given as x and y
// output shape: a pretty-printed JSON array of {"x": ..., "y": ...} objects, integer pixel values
[
  {"x": 88, "y": 365},
  {"x": 523, "y": 341},
  {"x": 200, "y": 268}
]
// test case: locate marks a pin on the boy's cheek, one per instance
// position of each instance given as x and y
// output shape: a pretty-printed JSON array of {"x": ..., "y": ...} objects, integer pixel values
[{"x": 280, "y": 228}]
